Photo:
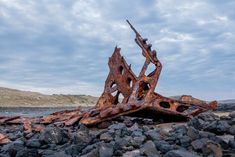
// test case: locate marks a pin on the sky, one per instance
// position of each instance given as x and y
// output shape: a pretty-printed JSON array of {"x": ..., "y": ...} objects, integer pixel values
[{"x": 62, "y": 47}]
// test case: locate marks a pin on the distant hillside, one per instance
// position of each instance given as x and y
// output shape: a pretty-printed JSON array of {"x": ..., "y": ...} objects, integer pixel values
[{"x": 17, "y": 98}]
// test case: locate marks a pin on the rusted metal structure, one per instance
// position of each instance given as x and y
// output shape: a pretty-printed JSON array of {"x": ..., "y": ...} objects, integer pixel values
[{"x": 138, "y": 96}]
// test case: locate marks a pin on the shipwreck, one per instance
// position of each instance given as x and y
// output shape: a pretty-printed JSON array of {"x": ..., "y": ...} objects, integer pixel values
[{"x": 138, "y": 97}]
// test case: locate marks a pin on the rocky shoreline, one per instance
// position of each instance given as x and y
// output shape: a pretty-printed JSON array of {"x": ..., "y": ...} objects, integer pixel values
[{"x": 204, "y": 135}]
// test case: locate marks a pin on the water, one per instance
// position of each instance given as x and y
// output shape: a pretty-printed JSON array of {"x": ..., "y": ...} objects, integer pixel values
[{"x": 30, "y": 111}]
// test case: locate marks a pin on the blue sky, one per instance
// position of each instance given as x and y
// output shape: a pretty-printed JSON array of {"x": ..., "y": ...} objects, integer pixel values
[{"x": 54, "y": 46}]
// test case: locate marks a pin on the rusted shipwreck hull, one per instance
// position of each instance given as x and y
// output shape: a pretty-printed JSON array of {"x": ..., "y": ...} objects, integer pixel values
[{"x": 124, "y": 94}]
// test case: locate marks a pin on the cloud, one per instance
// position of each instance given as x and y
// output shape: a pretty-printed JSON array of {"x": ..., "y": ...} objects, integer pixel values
[{"x": 63, "y": 46}]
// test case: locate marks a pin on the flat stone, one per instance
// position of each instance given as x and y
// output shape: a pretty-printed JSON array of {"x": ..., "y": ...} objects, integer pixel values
[
  {"x": 133, "y": 153},
  {"x": 153, "y": 135},
  {"x": 199, "y": 143},
  {"x": 93, "y": 153},
  {"x": 149, "y": 149},
  {"x": 27, "y": 152},
  {"x": 163, "y": 146},
  {"x": 180, "y": 153},
  {"x": 105, "y": 150},
  {"x": 59, "y": 154},
  {"x": 137, "y": 141},
  {"x": 33, "y": 143},
  {"x": 107, "y": 137}
]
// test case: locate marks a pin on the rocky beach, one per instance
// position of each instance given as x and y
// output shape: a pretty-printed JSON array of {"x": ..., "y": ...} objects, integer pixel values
[{"x": 204, "y": 135}]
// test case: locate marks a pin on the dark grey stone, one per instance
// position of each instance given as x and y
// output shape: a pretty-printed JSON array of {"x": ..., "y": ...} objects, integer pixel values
[
  {"x": 82, "y": 137},
  {"x": 232, "y": 130},
  {"x": 232, "y": 114},
  {"x": 107, "y": 137},
  {"x": 33, "y": 143},
  {"x": 137, "y": 141},
  {"x": 193, "y": 133},
  {"x": 74, "y": 150},
  {"x": 153, "y": 135},
  {"x": 180, "y": 153},
  {"x": 163, "y": 146},
  {"x": 149, "y": 149},
  {"x": 27, "y": 152},
  {"x": 185, "y": 141},
  {"x": 199, "y": 143},
  {"x": 117, "y": 126},
  {"x": 105, "y": 150},
  {"x": 54, "y": 136},
  {"x": 59, "y": 154},
  {"x": 92, "y": 153}
]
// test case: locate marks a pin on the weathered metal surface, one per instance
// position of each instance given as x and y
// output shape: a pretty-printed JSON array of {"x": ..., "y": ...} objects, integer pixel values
[
  {"x": 4, "y": 139},
  {"x": 124, "y": 94}
]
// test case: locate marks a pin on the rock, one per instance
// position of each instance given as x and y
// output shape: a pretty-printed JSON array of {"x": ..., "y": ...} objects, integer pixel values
[
  {"x": 91, "y": 147},
  {"x": 117, "y": 126},
  {"x": 54, "y": 136},
  {"x": 47, "y": 152},
  {"x": 212, "y": 149},
  {"x": 137, "y": 141},
  {"x": 232, "y": 114},
  {"x": 82, "y": 137},
  {"x": 180, "y": 129},
  {"x": 149, "y": 149},
  {"x": 27, "y": 152},
  {"x": 185, "y": 141},
  {"x": 205, "y": 134},
  {"x": 223, "y": 127},
  {"x": 199, "y": 143},
  {"x": 105, "y": 150},
  {"x": 232, "y": 143},
  {"x": 133, "y": 153},
  {"x": 74, "y": 150},
  {"x": 137, "y": 133},
  {"x": 107, "y": 137},
  {"x": 153, "y": 135},
  {"x": 128, "y": 122},
  {"x": 232, "y": 130},
  {"x": 163, "y": 146},
  {"x": 121, "y": 142},
  {"x": 33, "y": 143},
  {"x": 59, "y": 154},
  {"x": 92, "y": 153},
  {"x": 180, "y": 153},
  {"x": 193, "y": 133},
  {"x": 14, "y": 147}
]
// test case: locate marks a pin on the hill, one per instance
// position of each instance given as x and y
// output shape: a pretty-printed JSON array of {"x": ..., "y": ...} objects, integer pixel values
[{"x": 17, "y": 98}]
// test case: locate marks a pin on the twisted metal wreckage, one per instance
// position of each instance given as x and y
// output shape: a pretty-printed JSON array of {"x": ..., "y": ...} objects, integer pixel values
[{"x": 139, "y": 98}]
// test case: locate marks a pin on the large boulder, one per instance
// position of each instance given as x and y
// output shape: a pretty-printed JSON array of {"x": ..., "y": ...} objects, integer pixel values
[{"x": 54, "y": 135}]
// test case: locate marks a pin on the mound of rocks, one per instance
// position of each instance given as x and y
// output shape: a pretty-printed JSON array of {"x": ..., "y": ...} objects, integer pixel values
[{"x": 204, "y": 135}]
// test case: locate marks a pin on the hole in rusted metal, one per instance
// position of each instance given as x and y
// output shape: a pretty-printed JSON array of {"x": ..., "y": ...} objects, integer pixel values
[
  {"x": 129, "y": 82},
  {"x": 120, "y": 97},
  {"x": 113, "y": 85},
  {"x": 165, "y": 104},
  {"x": 143, "y": 90},
  {"x": 181, "y": 108},
  {"x": 121, "y": 70}
]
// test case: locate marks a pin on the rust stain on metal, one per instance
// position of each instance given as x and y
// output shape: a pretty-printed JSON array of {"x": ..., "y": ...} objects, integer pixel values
[
  {"x": 124, "y": 94},
  {"x": 4, "y": 139}
]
